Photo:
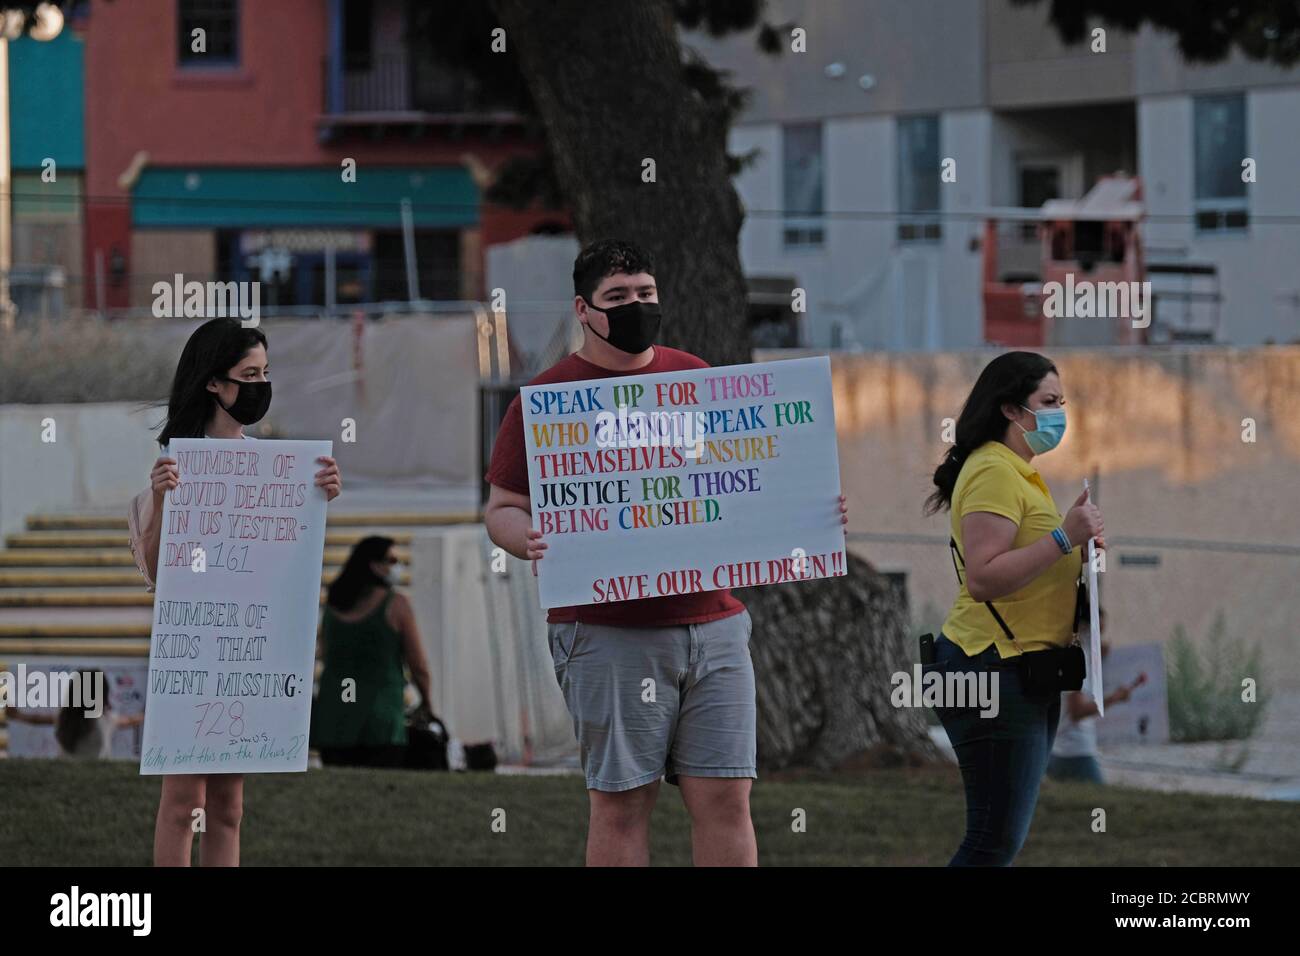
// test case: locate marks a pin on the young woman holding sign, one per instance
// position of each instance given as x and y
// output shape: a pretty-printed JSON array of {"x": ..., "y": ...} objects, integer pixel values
[
  {"x": 221, "y": 384},
  {"x": 1018, "y": 563}
]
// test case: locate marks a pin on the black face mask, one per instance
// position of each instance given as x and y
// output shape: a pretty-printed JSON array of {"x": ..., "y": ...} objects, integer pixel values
[
  {"x": 251, "y": 403},
  {"x": 632, "y": 326}
]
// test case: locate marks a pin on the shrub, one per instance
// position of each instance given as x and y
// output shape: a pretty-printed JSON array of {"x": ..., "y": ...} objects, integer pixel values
[{"x": 1205, "y": 686}]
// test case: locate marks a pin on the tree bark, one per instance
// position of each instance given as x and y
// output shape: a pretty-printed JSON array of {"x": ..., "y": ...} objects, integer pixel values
[
  {"x": 606, "y": 76},
  {"x": 824, "y": 654}
]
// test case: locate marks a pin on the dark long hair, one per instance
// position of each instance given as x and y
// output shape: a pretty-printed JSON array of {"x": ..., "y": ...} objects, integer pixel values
[
  {"x": 72, "y": 724},
  {"x": 213, "y": 349},
  {"x": 357, "y": 578},
  {"x": 1009, "y": 379}
]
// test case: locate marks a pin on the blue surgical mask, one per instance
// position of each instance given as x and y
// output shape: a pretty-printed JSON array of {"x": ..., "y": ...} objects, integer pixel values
[{"x": 1050, "y": 430}]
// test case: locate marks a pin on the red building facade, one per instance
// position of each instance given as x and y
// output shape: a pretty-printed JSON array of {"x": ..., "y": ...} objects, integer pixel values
[{"x": 219, "y": 129}]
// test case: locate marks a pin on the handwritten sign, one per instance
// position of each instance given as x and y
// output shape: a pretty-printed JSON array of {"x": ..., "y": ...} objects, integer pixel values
[
  {"x": 231, "y": 657},
  {"x": 677, "y": 482}
]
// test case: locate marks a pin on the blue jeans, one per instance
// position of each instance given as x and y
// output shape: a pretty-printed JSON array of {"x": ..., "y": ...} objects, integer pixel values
[{"x": 1002, "y": 758}]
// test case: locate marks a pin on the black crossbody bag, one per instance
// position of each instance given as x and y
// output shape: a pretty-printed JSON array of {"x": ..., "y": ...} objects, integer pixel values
[{"x": 1053, "y": 669}]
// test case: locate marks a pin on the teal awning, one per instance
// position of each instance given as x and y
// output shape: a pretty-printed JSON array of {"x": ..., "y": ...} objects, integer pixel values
[{"x": 219, "y": 198}]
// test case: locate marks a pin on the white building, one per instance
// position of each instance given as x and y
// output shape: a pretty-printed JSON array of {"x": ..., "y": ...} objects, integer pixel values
[{"x": 846, "y": 199}]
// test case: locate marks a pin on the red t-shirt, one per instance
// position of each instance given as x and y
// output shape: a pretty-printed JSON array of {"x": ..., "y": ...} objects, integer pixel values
[{"x": 509, "y": 470}]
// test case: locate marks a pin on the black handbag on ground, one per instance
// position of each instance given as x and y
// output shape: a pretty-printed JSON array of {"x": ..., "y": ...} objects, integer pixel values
[
  {"x": 1053, "y": 669},
  {"x": 426, "y": 742}
]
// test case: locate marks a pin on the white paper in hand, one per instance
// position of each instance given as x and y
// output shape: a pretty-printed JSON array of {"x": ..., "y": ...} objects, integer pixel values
[{"x": 1094, "y": 650}]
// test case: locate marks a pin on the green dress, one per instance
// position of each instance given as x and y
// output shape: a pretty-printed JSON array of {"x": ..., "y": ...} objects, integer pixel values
[{"x": 370, "y": 652}]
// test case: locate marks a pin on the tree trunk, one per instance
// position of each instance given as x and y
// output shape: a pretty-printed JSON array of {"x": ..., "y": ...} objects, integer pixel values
[
  {"x": 607, "y": 79},
  {"x": 824, "y": 652}
]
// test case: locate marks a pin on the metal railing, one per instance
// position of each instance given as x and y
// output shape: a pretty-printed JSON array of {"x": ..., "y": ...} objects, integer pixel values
[{"x": 394, "y": 83}]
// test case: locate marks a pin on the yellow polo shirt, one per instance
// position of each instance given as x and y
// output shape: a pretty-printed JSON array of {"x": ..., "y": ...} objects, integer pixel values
[{"x": 1041, "y": 614}]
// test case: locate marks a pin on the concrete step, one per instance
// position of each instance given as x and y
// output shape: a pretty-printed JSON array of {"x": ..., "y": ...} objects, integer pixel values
[
  {"x": 119, "y": 557},
  {"x": 98, "y": 629},
  {"x": 108, "y": 578},
  {"x": 337, "y": 519},
  {"x": 67, "y": 557},
  {"x": 109, "y": 539},
  {"x": 68, "y": 597},
  {"x": 88, "y": 597},
  {"x": 21, "y": 647},
  {"x": 71, "y": 578}
]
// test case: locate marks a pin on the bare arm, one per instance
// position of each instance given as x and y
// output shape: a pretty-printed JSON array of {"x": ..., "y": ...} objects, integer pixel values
[
  {"x": 509, "y": 519},
  {"x": 30, "y": 718},
  {"x": 164, "y": 477},
  {"x": 1081, "y": 706},
  {"x": 402, "y": 618},
  {"x": 995, "y": 569},
  {"x": 152, "y": 533}
]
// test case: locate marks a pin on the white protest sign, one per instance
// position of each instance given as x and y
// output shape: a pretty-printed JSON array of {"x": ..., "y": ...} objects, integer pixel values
[
  {"x": 1095, "y": 686},
  {"x": 232, "y": 654},
  {"x": 678, "y": 482}
]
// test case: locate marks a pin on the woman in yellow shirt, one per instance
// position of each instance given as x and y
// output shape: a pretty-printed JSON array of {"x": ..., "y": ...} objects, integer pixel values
[{"x": 1016, "y": 551}]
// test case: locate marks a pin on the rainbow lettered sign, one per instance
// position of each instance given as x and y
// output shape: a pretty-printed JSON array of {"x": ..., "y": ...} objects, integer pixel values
[{"x": 677, "y": 482}]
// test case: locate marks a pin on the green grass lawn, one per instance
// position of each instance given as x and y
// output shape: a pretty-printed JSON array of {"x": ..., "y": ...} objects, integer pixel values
[{"x": 68, "y": 813}]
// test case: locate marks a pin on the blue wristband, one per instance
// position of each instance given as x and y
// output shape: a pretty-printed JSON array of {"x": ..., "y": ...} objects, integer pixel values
[{"x": 1062, "y": 542}]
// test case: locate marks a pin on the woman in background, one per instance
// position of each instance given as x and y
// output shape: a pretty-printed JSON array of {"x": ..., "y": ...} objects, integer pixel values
[
  {"x": 221, "y": 384},
  {"x": 1074, "y": 753},
  {"x": 79, "y": 734},
  {"x": 368, "y": 632}
]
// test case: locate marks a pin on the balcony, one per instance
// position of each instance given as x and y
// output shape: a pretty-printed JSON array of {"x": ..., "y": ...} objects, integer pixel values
[{"x": 399, "y": 93}]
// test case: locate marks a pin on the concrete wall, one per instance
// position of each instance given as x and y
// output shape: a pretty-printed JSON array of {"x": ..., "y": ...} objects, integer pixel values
[
  {"x": 1028, "y": 65},
  {"x": 1158, "y": 68},
  {"x": 99, "y": 458},
  {"x": 940, "y": 66},
  {"x": 957, "y": 54}
]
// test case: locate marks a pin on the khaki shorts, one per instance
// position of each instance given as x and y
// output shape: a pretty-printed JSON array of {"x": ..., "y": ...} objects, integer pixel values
[{"x": 655, "y": 702}]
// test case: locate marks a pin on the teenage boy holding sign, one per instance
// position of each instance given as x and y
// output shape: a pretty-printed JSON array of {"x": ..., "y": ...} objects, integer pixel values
[{"x": 699, "y": 730}]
